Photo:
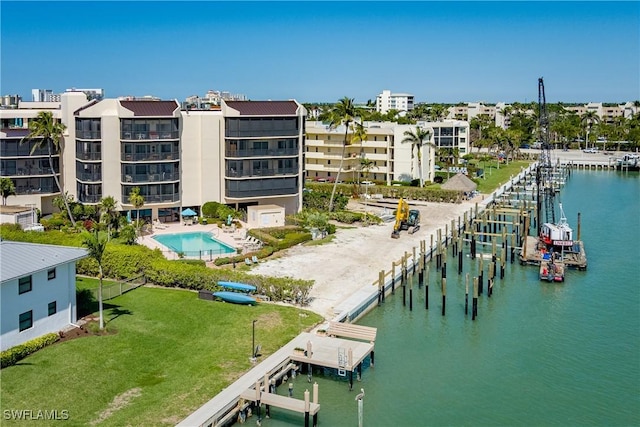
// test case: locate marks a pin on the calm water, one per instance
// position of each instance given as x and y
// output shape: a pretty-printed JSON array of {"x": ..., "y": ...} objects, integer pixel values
[
  {"x": 539, "y": 354},
  {"x": 197, "y": 243}
]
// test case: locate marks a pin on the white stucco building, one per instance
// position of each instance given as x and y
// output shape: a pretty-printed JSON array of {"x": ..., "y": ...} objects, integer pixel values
[
  {"x": 401, "y": 102},
  {"x": 37, "y": 290}
]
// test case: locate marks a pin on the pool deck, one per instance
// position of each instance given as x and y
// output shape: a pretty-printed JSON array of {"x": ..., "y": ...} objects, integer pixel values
[{"x": 234, "y": 238}]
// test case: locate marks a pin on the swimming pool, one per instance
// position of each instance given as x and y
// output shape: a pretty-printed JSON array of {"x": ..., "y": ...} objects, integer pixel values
[{"x": 194, "y": 244}]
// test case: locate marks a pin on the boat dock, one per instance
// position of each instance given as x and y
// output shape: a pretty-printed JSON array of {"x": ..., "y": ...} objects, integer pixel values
[{"x": 329, "y": 350}]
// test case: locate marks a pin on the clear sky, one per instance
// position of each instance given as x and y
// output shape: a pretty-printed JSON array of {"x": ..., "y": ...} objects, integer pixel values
[{"x": 322, "y": 51}]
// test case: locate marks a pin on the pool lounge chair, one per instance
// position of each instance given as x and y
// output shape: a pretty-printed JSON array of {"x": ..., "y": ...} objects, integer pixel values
[
  {"x": 254, "y": 259},
  {"x": 247, "y": 261}
]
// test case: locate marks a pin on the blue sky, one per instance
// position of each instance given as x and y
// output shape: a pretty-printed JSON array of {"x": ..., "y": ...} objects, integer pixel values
[{"x": 322, "y": 51}]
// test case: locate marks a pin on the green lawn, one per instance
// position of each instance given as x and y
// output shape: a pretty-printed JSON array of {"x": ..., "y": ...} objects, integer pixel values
[
  {"x": 494, "y": 177},
  {"x": 171, "y": 353}
]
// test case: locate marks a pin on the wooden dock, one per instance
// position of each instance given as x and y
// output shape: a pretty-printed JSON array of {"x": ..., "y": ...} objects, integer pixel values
[{"x": 324, "y": 351}]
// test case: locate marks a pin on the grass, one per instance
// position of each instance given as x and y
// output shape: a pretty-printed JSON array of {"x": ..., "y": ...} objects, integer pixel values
[
  {"x": 494, "y": 177},
  {"x": 171, "y": 353}
]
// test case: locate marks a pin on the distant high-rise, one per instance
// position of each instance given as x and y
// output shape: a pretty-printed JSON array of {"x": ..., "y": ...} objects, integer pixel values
[
  {"x": 91, "y": 93},
  {"x": 43, "y": 95},
  {"x": 402, "y": 102}
]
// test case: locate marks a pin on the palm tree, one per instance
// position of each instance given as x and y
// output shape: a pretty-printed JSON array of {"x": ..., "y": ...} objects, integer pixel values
[
  {"x": 96, "y": 246},
  {"x": 137, "y": 200},
  {"x": 365, "y": 166},
  {"x": 418, "y": 139},
  {"x": 108, "y": 214},
  {"x": 588, "y": 119},
  {"x": 44, "y": 130},
  {"x": 342, "y": 113},
  {"x": 7, "y": 188}
]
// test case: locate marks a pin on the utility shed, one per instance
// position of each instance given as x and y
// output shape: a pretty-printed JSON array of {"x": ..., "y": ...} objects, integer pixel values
[
  {"x": 25, "y": 216},
  {"x": 262, "y": 216}
]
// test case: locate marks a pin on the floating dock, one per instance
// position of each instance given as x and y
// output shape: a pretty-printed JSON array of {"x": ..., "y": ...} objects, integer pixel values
[{"x": 575, "y": 257}]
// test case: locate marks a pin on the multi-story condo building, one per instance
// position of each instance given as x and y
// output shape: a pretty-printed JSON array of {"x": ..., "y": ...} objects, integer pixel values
[
  {"x": 392, "y": 159},
  {"x": 246, "y": 153},
  {"x": 401, "y": 102}
]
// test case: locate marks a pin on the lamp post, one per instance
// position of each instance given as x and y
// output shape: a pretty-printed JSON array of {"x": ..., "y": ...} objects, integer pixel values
[{"x": 253, "y": 341}]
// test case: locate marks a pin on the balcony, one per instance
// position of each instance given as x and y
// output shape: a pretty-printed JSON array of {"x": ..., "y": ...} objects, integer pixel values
[
  {"x": 263, "y": 153},
  {"x": 85, "y": 198},
  {"x": 89, "y": 156},
  {"x": 150, "y": 157},
  {"x": 150, "y": 177},
  {"x": 149, "y": 135},
  {"x": 155, "y": 198},
  {"x": 89, "y": 176},
  {"x": 88, "y": 134},
  {"x": 231, "y": 173}
]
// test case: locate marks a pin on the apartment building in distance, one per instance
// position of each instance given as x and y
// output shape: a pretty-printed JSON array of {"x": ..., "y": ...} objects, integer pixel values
[
  {"x": 245, "y": 153},
  {"x": 402, "y": 102},
  {"x": 392, "y": 159}
]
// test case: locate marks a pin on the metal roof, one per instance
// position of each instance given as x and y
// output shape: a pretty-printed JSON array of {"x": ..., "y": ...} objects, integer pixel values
[
  {"x": 151, "y": 108},
  {"x": 264, "y": 108},
  {"x": 18, "y": 259}
]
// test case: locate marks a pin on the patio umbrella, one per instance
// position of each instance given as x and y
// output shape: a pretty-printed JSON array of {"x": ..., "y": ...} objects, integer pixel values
[{"x": 189, "y": 212}]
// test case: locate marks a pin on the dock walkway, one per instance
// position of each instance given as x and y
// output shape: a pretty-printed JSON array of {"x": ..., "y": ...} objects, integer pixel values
[{"x": 325, "y": 351}]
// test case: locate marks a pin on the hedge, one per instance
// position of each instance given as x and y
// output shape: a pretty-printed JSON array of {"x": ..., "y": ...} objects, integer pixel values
[
  {"x": 394, "y": 192},
  {"x": 15, "y": 354}
]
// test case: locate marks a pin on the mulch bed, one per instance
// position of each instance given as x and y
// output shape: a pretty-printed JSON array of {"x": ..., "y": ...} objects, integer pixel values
[{"x": 84, "y": 330}]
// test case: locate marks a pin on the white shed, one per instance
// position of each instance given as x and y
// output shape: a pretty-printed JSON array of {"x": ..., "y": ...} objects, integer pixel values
[{"x": 263, "y": 216}]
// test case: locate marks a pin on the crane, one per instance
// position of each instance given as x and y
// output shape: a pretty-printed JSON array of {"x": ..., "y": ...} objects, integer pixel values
[{"x": 544, "y": 174}]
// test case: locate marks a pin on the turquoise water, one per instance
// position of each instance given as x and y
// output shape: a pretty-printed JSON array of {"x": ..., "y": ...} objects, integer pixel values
[
  {"x": 194, "y": 244},
  {"x": 539, "y": 354}
]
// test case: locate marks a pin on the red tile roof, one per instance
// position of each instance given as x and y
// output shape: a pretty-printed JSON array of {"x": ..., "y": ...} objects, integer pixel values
[
  {"x": 151, "y": 108},
  {"x": 264, "y": 108}
]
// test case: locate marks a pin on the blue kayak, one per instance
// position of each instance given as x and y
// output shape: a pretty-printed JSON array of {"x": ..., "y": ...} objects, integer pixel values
[
  {"x": 237, "y": 286},
  {"x": 235, "y": 297}
]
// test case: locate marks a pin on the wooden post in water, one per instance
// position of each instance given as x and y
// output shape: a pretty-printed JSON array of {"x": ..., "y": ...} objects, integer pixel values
[
  {"x": 490, "y": 281},
  {"x": 454, "y": 241},
  {"x": 393, "y": 278},
  {"x": 431, "y": 249},
  {"x": 307, "y": 406},
  {"x": 474, "y": 306},
  {"x": 481, "y": 276},
  {"x": 380, "y": 286},
  {"x": 466, "y": 294},
  {"x": 460, "y": 254},
  {"x": 444, "y": 265},
  {"x": 439, "y": 246},
  {"x": 404, "y": 267},
  {"x": 579, "y": 226},
  {"x": 473, "y": 242},
  {"x": 411, "y": 296},
  {"x": 502, "y": 261},
  {"x": 315, "y": 400},
  {"x": 444, "y": 294},
  {"x": 513, "y": 249},
  {"x": 426, "y": 290}
]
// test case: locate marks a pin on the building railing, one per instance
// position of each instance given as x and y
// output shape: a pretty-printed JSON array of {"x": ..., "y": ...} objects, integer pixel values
[
  {"x": 156, "y": 198},
  {"x": 144, "y": 157},
  {"x": 151, "y": 177},
  {"x": 248, "y": 193},
  {"x": 263, "y": 153},
  {"x": 88, "y": 156},
  {"x": 88, "y": 134},
  {"x": 89, "y": 176},
  {"x": 231, "y": 173},
  {"x": 86, "y": 198},
  {"x": 22, "y": 190},
  {"x": 138, "y": 135}
]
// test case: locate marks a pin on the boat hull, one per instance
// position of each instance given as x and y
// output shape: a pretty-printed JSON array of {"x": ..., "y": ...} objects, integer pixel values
[
  {"x": 236, "y": 286},
  {"x": 235, "y": 298}
]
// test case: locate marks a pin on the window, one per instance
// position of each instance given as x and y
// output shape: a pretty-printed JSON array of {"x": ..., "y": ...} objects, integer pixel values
[
  {"x": 51, "y": 274},
  {"x": 26, "y": 320},
  {"x": 52, "y": 308},
  {"x": 24, "y": 285}
]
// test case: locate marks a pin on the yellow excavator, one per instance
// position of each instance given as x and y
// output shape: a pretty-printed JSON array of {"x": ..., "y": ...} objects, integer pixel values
[{"x": 406, "y": 219}]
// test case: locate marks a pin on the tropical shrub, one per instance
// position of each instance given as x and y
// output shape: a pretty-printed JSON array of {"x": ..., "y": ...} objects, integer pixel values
[{"x": 15, "y": 354}]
